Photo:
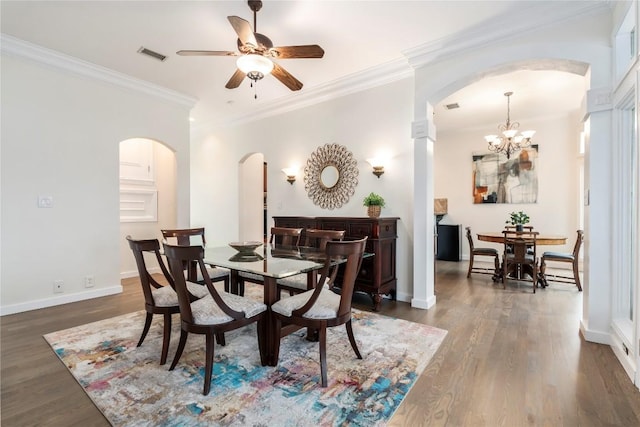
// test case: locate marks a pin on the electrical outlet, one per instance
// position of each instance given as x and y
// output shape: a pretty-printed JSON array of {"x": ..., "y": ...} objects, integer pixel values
[
  {"x": 58, "y": 286},
  {"x": 89, "y": 281},
  {"x": 45, "y": 201}
]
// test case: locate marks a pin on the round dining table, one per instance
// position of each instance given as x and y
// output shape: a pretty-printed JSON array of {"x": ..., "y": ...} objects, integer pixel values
[
  {"x": 498, "y": 237},
  {"x": 541, "y": 239}
]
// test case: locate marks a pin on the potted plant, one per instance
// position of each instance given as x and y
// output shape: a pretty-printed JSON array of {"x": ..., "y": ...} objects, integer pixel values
[
  {"x": 374, "y": 203},
  {"x": 518, "y": 219}
]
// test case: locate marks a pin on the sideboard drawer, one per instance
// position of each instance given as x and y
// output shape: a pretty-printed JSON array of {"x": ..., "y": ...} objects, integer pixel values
[{"x": 360, "y": 230}]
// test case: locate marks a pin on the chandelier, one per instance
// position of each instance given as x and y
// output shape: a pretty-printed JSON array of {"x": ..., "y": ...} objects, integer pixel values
[{"x": 510, "y": 141}]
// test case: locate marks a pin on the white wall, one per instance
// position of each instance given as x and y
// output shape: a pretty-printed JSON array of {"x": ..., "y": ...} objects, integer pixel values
[
  {"x": 366, "y": 123},
  {"x": 60, "y": 136},
  {"x": 165, "y": 182},
  {"x": 557, "y": 168}
]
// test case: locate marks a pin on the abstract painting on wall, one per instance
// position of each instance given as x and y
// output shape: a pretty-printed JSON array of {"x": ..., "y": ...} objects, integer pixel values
[{"x": 497, "y": 179}]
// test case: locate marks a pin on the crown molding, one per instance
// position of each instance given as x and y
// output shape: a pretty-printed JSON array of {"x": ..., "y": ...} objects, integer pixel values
[
  {"x": 526, "y": 20},
  {"x": 376, "y": 76},
  {"x": 19, "y": 48}
]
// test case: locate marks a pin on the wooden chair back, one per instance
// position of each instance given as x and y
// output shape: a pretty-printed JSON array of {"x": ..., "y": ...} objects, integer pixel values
[
  {"x": 183, "y": 236},
  {"x": 513, "y": 228},
  {"x": 319, "y": 238},
  {"x": 139, "y": 247},
  {"x": 520, "y": 246},
  {"x": 469, "y": 238},
  {"x": 578, "y": 244},
  {"x": 285, "y": 236},
  {"x": 177, "y": 257}
]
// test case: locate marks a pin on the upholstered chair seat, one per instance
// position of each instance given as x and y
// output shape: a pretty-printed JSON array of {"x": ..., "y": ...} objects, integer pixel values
[
  {"x": 326, "y": 306},
  {"x": 558, "y": 256},
  {"x": 167, "y": 297},
  {"x": 207, "y": 312}
]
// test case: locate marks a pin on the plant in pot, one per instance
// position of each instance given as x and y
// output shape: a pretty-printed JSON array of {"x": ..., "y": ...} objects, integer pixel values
[
  {"x": 519, "y": 219},
  {"x": 374, "y": 203}
]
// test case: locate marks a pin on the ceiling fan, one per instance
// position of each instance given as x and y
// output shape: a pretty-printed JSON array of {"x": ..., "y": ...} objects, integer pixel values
[{"x": 256, "y": 51}]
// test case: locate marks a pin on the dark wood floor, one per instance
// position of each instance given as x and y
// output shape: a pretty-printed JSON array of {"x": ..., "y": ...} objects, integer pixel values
[{"x": 511, "y": 358}]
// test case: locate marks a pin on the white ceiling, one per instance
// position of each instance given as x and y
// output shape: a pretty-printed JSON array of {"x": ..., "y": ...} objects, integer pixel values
[{"x": 357, "y": 36}]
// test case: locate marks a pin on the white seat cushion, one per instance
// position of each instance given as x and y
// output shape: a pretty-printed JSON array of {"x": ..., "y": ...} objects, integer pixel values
[
  {"x": 197, "y": 290},
  {"x": 251, "y": 276},
  {"x": 167, "y": 297},
  {"x": 299, "y": 281},
  {"x": 326, "y": 306},
  {"x": 206, "y": 312},
  {"x": 213, "y": 272}
]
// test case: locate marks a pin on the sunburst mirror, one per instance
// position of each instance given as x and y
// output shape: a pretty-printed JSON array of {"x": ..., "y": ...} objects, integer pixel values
[{"x": 331, "y": 176}]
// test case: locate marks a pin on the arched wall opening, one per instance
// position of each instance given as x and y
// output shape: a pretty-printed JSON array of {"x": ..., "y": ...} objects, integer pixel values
[
  {"x": 148, "y": 196},
  {"x": 435, "y": 81},
  {"x": 252, "y": 197}
]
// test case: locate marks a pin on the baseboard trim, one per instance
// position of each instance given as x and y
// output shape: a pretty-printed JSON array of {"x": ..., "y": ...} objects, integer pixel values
[
  {"x": 401, "y": 296},
  {"x": 423, "y": 304},
  {"x": 594, "y": 336},
  {"x": 624, "y": 358},
  {"x": 134, "y": 273},
  {"x": 59, "y": 300}
]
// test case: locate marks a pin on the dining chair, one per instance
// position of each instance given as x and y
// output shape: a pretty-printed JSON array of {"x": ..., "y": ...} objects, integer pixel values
[
  {"x": 313, "y": 238},
  {"x": 486, "y": 252},
  {"x": 159, "y": 299},
  {"x": 321, "y": 308},
  {"x": 280, "y": 236},
  {"x": 195, "y": 236},
  {"x": 214, "y": 314},
  {"x": 572, "y": 258},
  {"x": 520, "y": 256},
  {"x": 513, "y": 228}
]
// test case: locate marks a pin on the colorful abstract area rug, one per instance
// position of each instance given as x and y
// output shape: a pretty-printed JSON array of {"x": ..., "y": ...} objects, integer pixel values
[{"x": 131, "y": 389}]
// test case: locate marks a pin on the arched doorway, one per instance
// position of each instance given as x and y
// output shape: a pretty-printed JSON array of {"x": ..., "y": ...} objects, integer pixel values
[
  {"x": 252, "y": 197},
  {"x": 148, "y": 195}
]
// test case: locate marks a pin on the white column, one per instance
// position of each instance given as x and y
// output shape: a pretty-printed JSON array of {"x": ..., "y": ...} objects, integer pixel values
[
  {"x": 424, "y": 134},
  {"x": 596, "y": 316}
]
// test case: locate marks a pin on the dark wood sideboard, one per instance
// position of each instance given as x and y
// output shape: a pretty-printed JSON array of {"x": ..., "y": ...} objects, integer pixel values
[{"x": 377, "y": 275}]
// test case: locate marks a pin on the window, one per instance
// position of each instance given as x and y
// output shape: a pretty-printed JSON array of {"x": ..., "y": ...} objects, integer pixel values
[{"x": 625, "y": 264}]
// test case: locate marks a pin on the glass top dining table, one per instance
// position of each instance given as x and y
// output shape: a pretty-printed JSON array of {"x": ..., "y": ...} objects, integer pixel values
[
  {"x": 272, "y": 262},
  {"x": 268, "y": 260}
]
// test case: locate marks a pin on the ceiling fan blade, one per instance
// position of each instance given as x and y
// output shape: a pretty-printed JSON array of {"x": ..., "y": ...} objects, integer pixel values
[
  {"x": 207, "y": 53},
  {"x": 287, "y": 79},
  {"x": 243, "y": 29},
  {"x": 306, "y": 51},
  {"x": 235, "y": 80}
]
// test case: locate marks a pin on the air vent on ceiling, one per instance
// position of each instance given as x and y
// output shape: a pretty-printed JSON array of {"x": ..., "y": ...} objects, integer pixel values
[
  {"x": 452, "y": 106},
  {"x": 143, "y": 50}
]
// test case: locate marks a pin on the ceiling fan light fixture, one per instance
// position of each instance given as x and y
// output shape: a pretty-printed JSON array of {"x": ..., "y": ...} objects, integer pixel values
[{"x": 255, "y": 66}]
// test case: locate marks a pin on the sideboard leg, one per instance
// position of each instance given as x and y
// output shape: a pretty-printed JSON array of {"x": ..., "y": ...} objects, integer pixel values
[{"x": 377, "y": 299}]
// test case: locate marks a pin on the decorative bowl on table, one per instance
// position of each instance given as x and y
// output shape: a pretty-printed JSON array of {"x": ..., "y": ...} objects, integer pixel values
[
  {"x": 245, "y": 248},
  {"x": 244, "y": 257}
]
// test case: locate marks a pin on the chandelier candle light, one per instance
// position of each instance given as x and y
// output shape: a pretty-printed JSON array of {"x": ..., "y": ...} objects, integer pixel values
[{"x": 509, "y": 142}]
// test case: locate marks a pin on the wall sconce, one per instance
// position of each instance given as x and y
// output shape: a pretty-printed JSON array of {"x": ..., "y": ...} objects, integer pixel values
[
  {"x": 377, "y": 165},
  {"x": 291, "y": 174}
]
